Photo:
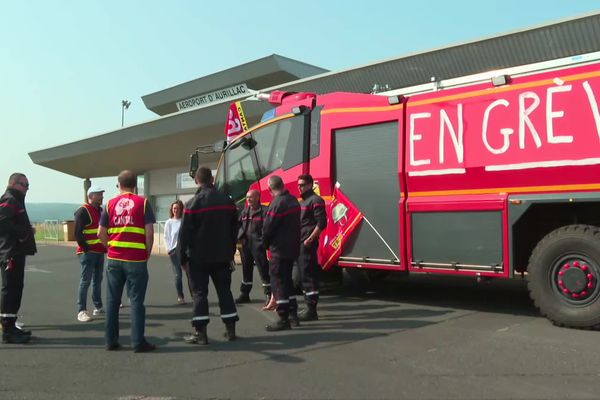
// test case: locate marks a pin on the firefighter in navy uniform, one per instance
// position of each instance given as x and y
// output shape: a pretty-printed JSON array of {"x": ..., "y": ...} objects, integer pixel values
[
  {"x": 206, "y": 245},
  {"x": 313, "y": 220},
  {"x": 253, "y": 251},
  {"x": 281, "y": 235},
  {"x": 16, "y": 242}
]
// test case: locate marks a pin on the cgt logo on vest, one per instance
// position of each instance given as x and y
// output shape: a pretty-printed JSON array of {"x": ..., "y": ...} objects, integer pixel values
[{"x": 123, "y": 212}]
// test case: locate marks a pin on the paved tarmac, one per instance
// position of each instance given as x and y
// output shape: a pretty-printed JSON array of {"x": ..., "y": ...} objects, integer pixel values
[{"x": 421, "y": 338}]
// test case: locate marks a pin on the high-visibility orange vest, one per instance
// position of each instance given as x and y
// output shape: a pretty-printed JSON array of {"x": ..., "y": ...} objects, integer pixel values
[
  {"x": 126, "y": 228},
  {"x": 90, "y": 231}
]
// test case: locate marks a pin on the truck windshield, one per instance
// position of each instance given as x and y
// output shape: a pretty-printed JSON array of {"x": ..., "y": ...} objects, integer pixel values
[
  {"x": 279, "y": 145},
  {"x": 238, "y": 173},
  {"x": 275, "y": 146}
]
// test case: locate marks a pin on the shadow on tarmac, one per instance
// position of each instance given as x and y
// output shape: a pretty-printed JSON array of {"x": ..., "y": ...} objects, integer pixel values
[
  {"x": 342, "y": 321},
  {"x": 495, "y": 296},
  {"x": 83, "y": 342},
  {"x": 328, "y": 332}
]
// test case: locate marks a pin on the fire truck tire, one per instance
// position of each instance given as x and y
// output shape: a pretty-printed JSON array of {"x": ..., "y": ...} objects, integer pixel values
[{"x": 563, "y": 276}]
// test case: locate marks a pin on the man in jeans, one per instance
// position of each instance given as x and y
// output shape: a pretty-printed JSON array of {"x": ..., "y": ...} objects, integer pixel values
[
  {"x": 91, "y": 252},
  {"x": 126, "y": 229}
]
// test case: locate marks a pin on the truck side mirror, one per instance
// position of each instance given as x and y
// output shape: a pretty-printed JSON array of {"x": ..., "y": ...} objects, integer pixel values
[
  {"x": 248, "y": 143},
  {"x": 193, "y": 164}
]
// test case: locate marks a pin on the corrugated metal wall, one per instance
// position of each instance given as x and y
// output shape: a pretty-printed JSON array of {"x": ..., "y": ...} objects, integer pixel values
[{"x": 563, "y": 39}]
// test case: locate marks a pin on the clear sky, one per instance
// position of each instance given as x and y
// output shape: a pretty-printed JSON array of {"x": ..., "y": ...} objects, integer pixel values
[{"x": 66, "y": 65}]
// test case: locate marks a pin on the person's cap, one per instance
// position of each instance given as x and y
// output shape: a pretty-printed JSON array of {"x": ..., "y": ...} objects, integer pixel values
[{"x": 94, "y": 189}]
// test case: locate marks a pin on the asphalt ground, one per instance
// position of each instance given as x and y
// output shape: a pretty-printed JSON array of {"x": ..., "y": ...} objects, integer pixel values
[{"x": 417, "y": 338}]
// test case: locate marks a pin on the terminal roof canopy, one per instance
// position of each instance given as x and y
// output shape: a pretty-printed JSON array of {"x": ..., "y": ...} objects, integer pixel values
[
  {"x": 168, "y": 141},
  {"x": 264, "y": 72},
  {"x": 162, "y": 143}
]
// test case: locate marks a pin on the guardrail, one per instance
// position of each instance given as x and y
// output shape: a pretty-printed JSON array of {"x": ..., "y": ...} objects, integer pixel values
[
  {"x": 159, "y": 239},
  {"x": 51, "y": 229}
]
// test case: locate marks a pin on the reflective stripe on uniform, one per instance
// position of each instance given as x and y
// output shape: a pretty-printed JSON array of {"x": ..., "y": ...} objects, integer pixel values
[
  {"x": 9, "y": 206},
  {"x": 208, "y": 209},
  {"x": 131, "y": 229},
  {"x": 200, "y": 318},
  {"x": 247, "y": 283},
  {"x": 311, "y": 293},
  {"x": 90, "y": 231},
  {"x": 8, "y": 315},
  {"x": 126, "y": 239},
  {"x": 129, "y": 245},
  {"x": 229, "y": 315},
  {"x": 283, "y": 301}
]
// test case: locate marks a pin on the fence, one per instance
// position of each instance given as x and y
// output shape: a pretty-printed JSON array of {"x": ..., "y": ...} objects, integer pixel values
[
  {"x": 159, "y": 239},
  {"x": 51, "y": 229}
]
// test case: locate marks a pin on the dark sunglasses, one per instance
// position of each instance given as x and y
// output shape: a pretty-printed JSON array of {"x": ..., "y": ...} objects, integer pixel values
[{"x": 25, "y": 185}]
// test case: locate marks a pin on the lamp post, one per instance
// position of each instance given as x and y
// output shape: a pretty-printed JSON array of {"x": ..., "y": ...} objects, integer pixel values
[{"x": 124, "y": 106}]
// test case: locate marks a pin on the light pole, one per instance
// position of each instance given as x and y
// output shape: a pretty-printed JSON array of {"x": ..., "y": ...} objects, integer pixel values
[{"x": 124, "y": 106}]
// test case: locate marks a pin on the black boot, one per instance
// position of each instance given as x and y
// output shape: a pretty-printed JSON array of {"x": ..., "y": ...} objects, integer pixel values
[
  {"x": 230, "y": 331},
  {"x": 25, "y": 331},
  {"x": 12, "y": 334},
  {"x": 243, "y": 298},
  {"x": 199, "y": 336},
  {"x": 282, "y": 325},
  {"x": 309, "y": 313},
  {"x": 294, "y": 320}
]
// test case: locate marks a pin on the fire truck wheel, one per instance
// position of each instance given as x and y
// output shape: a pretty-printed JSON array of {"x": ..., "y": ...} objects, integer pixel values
[{"x": 563, "y": 276}]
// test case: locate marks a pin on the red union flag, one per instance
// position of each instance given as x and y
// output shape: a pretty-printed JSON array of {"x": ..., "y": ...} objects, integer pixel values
[
  {"x": 343, "y": 217},
  {"x": 236, "y": 121}
]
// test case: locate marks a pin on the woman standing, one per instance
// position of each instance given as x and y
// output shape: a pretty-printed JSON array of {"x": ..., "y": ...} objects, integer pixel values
[{"x": 171, "y": 233}]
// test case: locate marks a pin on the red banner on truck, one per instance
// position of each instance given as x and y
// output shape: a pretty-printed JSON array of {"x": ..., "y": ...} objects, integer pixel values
[
  {"x": 548, "y": 122},
  {"x": 236, "y": 121},
  {"x": 342, "y": 219}
]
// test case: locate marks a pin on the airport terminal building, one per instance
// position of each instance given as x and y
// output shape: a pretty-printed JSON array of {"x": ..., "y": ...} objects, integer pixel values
[{"x": 194, "y": 113}]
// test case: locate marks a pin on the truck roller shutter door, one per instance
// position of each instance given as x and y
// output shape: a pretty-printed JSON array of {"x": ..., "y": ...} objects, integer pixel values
[{"x": 366, "y": 166}]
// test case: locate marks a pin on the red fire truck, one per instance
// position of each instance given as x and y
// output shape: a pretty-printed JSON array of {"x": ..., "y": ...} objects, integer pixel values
[{"x": 493, "y": 175}]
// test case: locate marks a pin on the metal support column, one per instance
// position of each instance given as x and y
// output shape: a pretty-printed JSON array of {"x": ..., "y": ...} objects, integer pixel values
[{"x": 86, "y": 185}]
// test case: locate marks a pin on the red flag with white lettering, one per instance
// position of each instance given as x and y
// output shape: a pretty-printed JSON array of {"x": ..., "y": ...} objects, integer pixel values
[
  {"x": 343, "y": 217},
  {"x": 236, "y": 121}
]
